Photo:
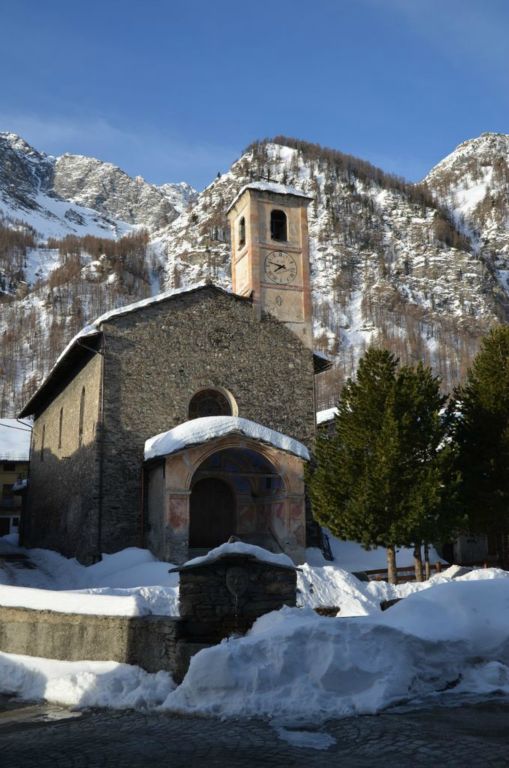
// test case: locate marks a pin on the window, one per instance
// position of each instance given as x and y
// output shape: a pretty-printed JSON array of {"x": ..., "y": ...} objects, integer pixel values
[
  {"x": 242, "y": 232},
  {"x": 7, "y": 492},
  {"x": 209, "y": 402},
  {"x": 278, "y": 228},
  {"x": 82, "y": 415},
  {"x": 60, "y": 424},
  {"x": 9, "y": 466},
  {"x": 42, "y": 441}
]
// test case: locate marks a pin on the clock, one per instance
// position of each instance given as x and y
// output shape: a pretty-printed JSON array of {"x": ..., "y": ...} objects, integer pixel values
[{"x": 280, "y": 267}]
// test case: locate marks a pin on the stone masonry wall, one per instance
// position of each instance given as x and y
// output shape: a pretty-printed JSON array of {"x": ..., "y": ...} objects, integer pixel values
[
  {"x": 151, "y": 642},
  {"x": 157, "y": 358},
  {"x": 62, "y": 503},
  {"x": 226, "y": 596}
]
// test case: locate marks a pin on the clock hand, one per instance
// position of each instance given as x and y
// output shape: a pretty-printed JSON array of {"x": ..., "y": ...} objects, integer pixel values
[{"x": 278, "y": 266}]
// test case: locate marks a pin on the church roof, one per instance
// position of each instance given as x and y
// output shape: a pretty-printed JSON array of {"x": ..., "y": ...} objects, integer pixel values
[
  {"x": 86, "y": 342},
  {"x": 207, "y": 428},
  {"x": 270, "y": 186}
]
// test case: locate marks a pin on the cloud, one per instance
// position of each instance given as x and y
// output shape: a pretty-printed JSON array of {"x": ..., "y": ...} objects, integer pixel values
[{"x": 147, "y": 152}]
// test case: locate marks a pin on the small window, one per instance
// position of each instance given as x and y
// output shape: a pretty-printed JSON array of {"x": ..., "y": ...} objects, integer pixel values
[
  {"x": 42, "y": 441},
  {"x": 242, "y": 232},
  {"x": 9, "y": 466},
  {"x": 82, "y": 417},
  {"x": 60, "y": 425},
  {"x": 278, "y": 228},
  {"x": 7, "y": 491},
  {"x": 209, "y": 402}
]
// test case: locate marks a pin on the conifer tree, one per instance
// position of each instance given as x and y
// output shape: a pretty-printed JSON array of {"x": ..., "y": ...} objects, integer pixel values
[
  {"x": 379, "y": 478},
  {"x": 482, "y": 437}
]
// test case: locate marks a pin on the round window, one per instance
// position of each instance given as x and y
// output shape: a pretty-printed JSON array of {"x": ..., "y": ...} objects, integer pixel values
[{"x": 209, "y": 402}]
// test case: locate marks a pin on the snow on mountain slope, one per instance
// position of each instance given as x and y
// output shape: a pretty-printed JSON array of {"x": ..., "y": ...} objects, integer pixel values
[
  {"x": 180, "y": 195},
  {"x": 389, "y": 264},
  {"x": 78, "y": 195},
  {"x": 473, "y": 182}
]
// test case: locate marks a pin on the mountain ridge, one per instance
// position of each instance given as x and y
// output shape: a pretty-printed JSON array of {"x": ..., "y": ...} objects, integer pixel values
[{"x": 392, "y": 262}]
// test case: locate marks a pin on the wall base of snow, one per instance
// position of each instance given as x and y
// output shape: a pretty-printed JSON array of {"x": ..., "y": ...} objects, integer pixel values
[{"x": 153, "y": 643}]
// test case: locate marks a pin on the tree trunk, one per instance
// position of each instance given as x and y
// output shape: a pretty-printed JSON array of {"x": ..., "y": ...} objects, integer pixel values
[
  {"x": 418, "y": 562},
  {"x": 427, "y": 566},
  {"x": 391, "y": 565}
]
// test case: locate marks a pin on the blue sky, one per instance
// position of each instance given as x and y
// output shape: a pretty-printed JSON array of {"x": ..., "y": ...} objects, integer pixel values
[{"x": 174, "y": 90}]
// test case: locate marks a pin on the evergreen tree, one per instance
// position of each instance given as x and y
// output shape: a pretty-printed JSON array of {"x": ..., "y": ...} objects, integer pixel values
[
  {"x": 482, "y": 438},
  {"x": 379, "y": 478}
]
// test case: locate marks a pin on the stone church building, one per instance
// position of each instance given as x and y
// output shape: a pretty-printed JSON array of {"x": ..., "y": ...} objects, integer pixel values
[{"x": 167, "y": 423}]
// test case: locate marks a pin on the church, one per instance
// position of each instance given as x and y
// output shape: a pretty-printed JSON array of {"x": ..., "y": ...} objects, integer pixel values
[{"x": 180, "y": 420}]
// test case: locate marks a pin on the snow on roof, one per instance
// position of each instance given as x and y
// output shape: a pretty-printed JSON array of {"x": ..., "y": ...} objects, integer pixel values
[
  {"x": 210, "y": 427},
  {"x": 270, "y": 186},
  {"x": 240, "y": 548},
  {"x": 14, "y": 440},
  {"x": 326, "y": 415}
]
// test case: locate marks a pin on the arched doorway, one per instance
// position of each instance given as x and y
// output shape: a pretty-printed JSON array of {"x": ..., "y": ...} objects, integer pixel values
[
  {"x": 212, "y": 513},
  {"x": 235, "y": 491}
]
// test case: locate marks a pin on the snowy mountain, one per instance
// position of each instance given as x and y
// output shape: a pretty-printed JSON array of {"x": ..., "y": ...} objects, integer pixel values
[
  {"x": 418, "y": 268},
  {"x": 473, "y": 182},
  {"x": 77, "y": 195},
  {"x": 389, "y": 264}
]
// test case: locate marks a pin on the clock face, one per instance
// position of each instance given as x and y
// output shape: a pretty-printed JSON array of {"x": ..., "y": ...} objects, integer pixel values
[{"x": 280, "y": 267}]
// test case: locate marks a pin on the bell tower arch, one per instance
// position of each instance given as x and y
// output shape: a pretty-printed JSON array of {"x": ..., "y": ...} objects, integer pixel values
[{"x": 270, "y": 253}]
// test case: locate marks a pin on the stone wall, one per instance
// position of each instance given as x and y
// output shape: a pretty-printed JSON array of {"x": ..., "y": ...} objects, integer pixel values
[
  {"x": 226, "y": 596},
  {"x": 62, "y": 500},
  {"x": 217, "y": 599},
  {"x": 150, "y": 642},
  {"x": 157, "y": 358}
]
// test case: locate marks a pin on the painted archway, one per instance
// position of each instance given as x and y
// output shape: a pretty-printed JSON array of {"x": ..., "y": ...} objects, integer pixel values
[{"x": 267, "y": 482}]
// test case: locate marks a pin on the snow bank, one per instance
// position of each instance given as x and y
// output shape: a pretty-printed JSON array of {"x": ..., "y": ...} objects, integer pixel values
[
  {"x": 128, "y": 583},
  {"x": 241, "y": 548},
  {"x": 72, "y": 602},
  {"x": 294, "y": 663},
  {"x": 207, "y": 428},
  {"x": 83, "y": 683}
]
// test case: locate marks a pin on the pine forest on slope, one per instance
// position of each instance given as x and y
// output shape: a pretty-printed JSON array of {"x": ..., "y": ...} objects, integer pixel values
[{"x": 421, "y": 269}]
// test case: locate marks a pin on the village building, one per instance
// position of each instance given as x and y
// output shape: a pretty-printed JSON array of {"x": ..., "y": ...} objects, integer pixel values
[
  {"x": 183, "y": 419},
  {"x": 14, "y": 459}
]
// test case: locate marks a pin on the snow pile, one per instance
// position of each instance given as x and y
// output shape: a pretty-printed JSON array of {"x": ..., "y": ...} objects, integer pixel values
[
  {"x": 207, "y": 428},
  {"x": 294, "y": 663},
  {"x": 128, "y": 583},
  {"x": 241, "y": 548},
  {"x": 83, "y": 683},
  {"x": 14, "y": 440}
]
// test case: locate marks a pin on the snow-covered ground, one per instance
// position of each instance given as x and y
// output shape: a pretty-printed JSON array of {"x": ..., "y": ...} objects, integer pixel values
[
  {"x": 129, "y": 583},
  {"x": 450, "y": 634}
]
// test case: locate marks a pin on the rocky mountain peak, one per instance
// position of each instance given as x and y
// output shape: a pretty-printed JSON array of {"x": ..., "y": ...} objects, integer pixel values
[{"x": 418, "y": 268}]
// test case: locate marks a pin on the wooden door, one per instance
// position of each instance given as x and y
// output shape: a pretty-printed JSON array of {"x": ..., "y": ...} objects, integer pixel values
[{"x": 212, "y": 515}]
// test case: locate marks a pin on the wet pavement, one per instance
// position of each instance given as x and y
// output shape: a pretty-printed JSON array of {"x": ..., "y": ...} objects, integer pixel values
[{"x": 41, "y": 735}]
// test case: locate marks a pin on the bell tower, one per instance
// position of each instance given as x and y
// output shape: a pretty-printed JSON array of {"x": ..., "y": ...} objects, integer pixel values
[{"x": 270, "y": 255}]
